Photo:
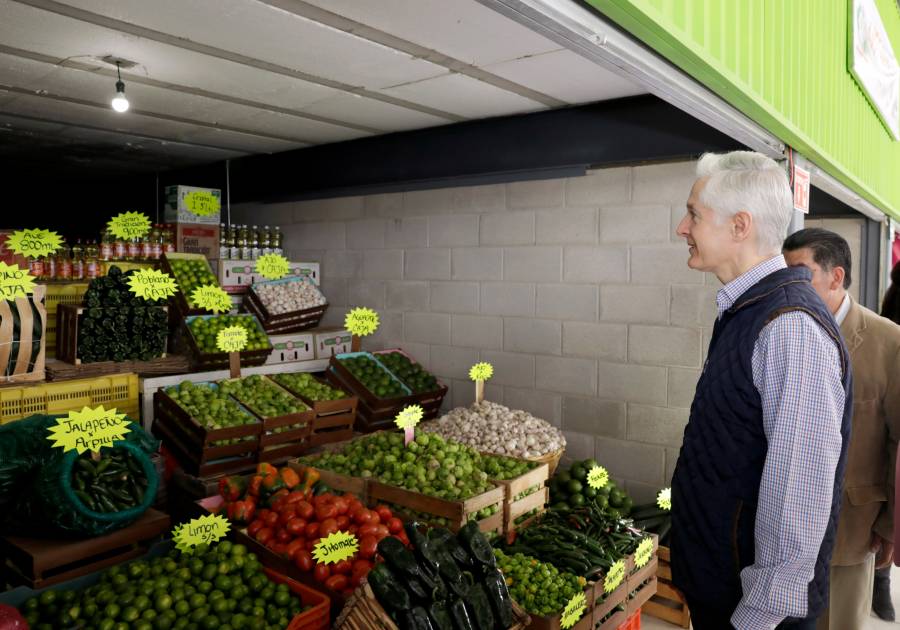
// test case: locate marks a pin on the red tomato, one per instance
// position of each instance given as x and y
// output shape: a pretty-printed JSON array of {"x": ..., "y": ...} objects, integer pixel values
[
  {"x": 367, "y": 546},
  {"x": 337, "y": 582},
  {"x": 343, "y": 567},
  {"x": 304, "y": 510},
  {"x": 296, "y": 526},
  {"x": 362, "y": 565},
  {"x": 312, "y": 530},
  {"x": 342, "y": 522},
  {"x": 323, "y": 498},
  {"x": 342, "y": 505},
  {"x": 271, "y": 519},
  {"x": 384, "y": 513},
  {"x": 395, "y": 525},
  {"x": 283, "y": 536},
  {"x": 321, "y": 572},
  {"x": 354, "y": 505},
  {"x": 363, "y": 516},
  {"x": 326, "y": 510},
  {"x": 295, "y": 545},
  {"x": 353, "y": 529},
  {"x": 280, "y": 549},
  {"x": 328, "y": 526},
  {"x": 295, "y": 497},
  {"x": 254, "y": 527},
  {"x": 304, "y": 560},
  {"x": 367, "y": 530},
  {"x": 402, "y": 537},
  {"x": 360, "y": 570},
  {"x": 381, "y": 531},
  {"x": 264, "y": 535},
  {"x": 285, "y": 514}
]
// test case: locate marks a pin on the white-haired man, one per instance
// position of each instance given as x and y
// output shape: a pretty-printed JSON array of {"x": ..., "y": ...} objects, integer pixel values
[{"x": 756, "y": 490}]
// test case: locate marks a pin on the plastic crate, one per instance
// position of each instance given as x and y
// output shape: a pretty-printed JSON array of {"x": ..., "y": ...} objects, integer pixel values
[
  {"x": 68, "y": 293},
  {"x": 633, "y": 623},
  {"x": 118, "y": 390},
  {"x": 318, "y": 617}
]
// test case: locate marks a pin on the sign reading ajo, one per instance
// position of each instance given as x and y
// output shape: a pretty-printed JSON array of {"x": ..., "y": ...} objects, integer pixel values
[
  {"x": 643, "y": 552},
  {"x": 129, "y": 225},
  {"x": 614, "y": 576},
  {"x": 15, "y": 282},
  {"x": 89, "y": 429},
  {"x": 481, "y": 371},
  {"x": 361, "y": 321},
  {"x": 573, "y": 611},
  {"x": 152, "y": 284},
  {"x": 335, "y": 547},
  {"x": 202, "y": 203},
  {"x": 204, "y": 530},
  {"x": 212, "y": 298},
  {"x": 597, "y": 477},
  {"x": 272, "y": 266},
  {"x": 34, "y": 243},
  {"x": 232, "y": 339}
]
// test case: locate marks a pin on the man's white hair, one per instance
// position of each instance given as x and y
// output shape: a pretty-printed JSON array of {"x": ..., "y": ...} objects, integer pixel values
[{"x": 749, "y": 181}]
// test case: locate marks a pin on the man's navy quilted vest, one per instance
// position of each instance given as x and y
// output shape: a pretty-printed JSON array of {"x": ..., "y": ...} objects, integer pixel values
[{"x": 716, "y": 483}]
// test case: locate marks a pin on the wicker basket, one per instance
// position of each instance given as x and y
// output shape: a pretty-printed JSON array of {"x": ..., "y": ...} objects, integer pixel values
[{"x": 551, "y": 459}]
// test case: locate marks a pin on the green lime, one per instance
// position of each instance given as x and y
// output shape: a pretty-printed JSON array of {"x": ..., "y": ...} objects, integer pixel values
[{"x": 130, "y": 614}]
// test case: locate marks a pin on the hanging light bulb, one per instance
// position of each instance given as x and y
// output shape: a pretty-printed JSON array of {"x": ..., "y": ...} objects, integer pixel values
[{"x": 119, "y": 102}]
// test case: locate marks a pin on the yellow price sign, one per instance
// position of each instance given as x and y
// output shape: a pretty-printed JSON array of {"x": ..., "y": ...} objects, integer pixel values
[
  {"x": 664, "y": 499},
  {"x": 204, "y": 530},
  {"x": 232, "y": 339},
  {"x": 336, "y": 547},
  {"x": 272, "y": 266},
  {"x": 614, "y": 576},
  {"x": 89, "y": 429},
  {"x": 643, "y": 553},
  {"x": 361, "y": 321},
  {"x": 409, "y": 417},
  {"x": 34, "y": 243},
  {"x": 152, "y": 284},
  {"x": 481, "y": 371},
  {"x": 597, "y": 477},
  {"x": 211, "y": 298},
  {"x": 573, "y": 611},
  {"x": 129, "y": 225},
  {"x": 15, "y": 282},
  {"x": 202, "y": 203}
]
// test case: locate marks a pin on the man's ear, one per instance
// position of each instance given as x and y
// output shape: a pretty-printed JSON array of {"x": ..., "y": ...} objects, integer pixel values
[
  {"x": 837, "y": 278},
  {"x": 741, "y": 223}
]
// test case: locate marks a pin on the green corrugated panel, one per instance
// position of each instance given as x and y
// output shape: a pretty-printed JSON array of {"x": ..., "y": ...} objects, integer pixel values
[{"x": 785, "y": 64}]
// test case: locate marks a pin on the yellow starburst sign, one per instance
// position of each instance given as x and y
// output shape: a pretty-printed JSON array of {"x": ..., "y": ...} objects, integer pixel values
[
  {"x": 361, "y": 321},
  {"x": 664, "y": 499},
  {"x": 573, "y": 611},
  {"x": 211, "y": 298},
  {"x": 202, "y": 203},
  {"x": 597, "y": 477},
  {"x": 232, "y": 339},
  {"x": 409, "y": 417},
  {"x": 15, "y": 282},
  {"x": 336, "y": 547},
  {"x": 614, "y": 576},
  {"x": 129, "y": 225},
  {"x": 200, "y": 531},
  {"x": 34, "y": 243},
  {"x": 272, "y": 266},
  {"x": 481, "y": 371},
  {"x": 643, "y": 553},
  {"x": 152, "y": 284},
  {"x": 89, "y": 429}
]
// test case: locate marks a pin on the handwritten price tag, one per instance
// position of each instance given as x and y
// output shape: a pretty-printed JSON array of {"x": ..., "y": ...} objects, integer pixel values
[
  {"x": 336, "y": 547},
  {"x": 212, "y": 298},
  {"x": 272, "y": 266},
  {"x": 643, "y": 553},
  {"x": 204, "y": 530},
  {"x": 573, "y": 611},
  {"x": 152, "y": 284},
  {"x": 89, "y": 429},
  {"x": 481, "y": 371},
  {"x": 664, "y": 499},
  {"x": 597, "y": 477},
  {"x": 14, "y": 282},
  {"x": 129, "y": 225},
  {"x": 614, "y": 576},
  {"x": 409, "y": 417},
  {"x": 361, "y": 321},
  {"x": 202, "y": 203},
  {"x": 232, "y": 339},
  {"x": 34, "y": 243}
]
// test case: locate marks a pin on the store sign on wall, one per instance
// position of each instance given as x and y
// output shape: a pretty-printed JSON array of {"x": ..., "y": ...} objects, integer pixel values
[{"x": 874, "y": 64}]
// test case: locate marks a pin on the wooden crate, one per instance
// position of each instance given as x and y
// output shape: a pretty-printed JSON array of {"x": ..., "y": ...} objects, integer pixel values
[
  {"x": 67, "y": 329},
  {"x": 668, "y": 603},
  {"x": 179, "y": 300},
  {"x": 552, "y": 622},
  {"x": 42, "y": 562},
  {"x": 333, "y": 420},
  {"x": 170, "y": 364},
  {"x": 292, "y": 321},
  {"x": 20, "y": 352},
  {"x": 60, "y": 293},
  {"x": 193, "y": 445},
  {"x": 514, "y": 508},
  {"x": 209, "y": 361}
]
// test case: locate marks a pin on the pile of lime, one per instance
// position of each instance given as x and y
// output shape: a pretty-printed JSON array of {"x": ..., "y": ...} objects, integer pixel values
[
  {"x": 264, "y": 398},
  {"x": 373, "y": 376},
  {"x": 191, "y": 274},
  {"x": 569, "y": 488},
  {"x": 308, "y": 386},
  {"x": 210, "y": 407},
  {"x": 220, "y": 587},
  {"x": 538, "y": 587},
  {"x": 412, "y": 374},
  {"x": 499, "y": 467},
  {"x": 205, "y": 331}
]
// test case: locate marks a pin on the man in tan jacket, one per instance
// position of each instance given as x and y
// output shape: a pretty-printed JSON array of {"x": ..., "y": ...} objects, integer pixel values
[{"x": 865, "y": 526}]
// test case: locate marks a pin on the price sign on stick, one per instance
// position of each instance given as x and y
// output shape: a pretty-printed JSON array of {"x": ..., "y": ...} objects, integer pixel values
[
  {"x": 152, "y": 284},
  {"x": 232, "y": 339},
  {"x": 129, "y": 225},
  {"x": 573, "y": 611},
  {"x": 597, "y": 477},
  {"x": 480, "y": 372},
  {"x": 34, "y": 243},
  {"x": 204, "y": 530},
  {"x": 15, "y": 282},
  {"x": 407, "y": 420},
  {"x": 212, "y": 298},
  {"x": 89, "y": 429},
  {"x": 361, "y": 322}
]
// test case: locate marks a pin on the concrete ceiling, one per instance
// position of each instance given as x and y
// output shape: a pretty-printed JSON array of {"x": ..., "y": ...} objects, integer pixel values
[{"x": 218, "y": 79}]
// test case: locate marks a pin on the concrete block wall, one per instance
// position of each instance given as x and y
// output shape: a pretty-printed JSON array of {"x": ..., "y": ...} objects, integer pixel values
[{"x": 575, "y": 289}]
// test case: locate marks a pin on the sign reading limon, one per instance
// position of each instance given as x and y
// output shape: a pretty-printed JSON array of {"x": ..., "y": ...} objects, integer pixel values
[
  {"x": 129, "y": 225},
  {"x": 152, "y": 284},
  {"x": 573, "y": 611},
  {"x": 361, "y": 321},
  {"x": 204, "y": 530},
  {"x": 643, "y": 553},
  {"x": 34, "y": 243},
  {"x": 664, "y": 499},
  {"x": 89, "y": 429},
  {"x": 15, "y": 282},
  {"x": 272, "y": 266},
  {"x": 202, "y": 203},
  {"x": 336, "y": 547},
  {"x": 597, "y": 477},
  {"x": 614, "y": 576},
  {"x": 481, "y": 371},
  {"x": 211, "y": 298},
  {"x": 232, "y": 339}
]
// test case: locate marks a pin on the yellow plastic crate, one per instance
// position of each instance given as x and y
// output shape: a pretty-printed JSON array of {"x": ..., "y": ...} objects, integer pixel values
[
  {"x": 117, "y": 390},
  {"x": 69, "y": 293}
]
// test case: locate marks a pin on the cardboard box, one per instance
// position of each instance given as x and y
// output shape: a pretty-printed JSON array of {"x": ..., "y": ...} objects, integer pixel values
[
  {"x": 235, "y": 276},
  {"x": 308, "y": 269},
  {"x": 176, "y": 211},
  {"x": 332, "y": 341},
  {"x": 193, "y": 238},
  {"x": 292, "y": 347}
]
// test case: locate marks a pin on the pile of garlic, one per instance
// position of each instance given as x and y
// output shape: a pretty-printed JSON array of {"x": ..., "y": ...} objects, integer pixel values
[
  {"x": 492, "y": 428},
  {"x": 289, "y": 296}
]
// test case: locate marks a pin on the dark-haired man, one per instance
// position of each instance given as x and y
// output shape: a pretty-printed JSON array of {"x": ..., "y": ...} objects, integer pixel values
[{"x": 865, "y": 527}]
